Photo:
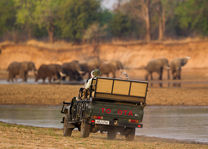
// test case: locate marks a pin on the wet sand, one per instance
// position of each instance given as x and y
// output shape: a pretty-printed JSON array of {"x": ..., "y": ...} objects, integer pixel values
[{"x": 18, "y": 136}]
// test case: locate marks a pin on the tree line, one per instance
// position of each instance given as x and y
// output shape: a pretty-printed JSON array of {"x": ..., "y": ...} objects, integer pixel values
[{"x": 82, "y": 20}]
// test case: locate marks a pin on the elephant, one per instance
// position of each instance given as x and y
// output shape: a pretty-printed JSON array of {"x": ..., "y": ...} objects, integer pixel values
[
  {"x": 175, "y": 67},
  {"x": 108, "y": 68},
  {"x": 56, "y": 69},
  {"x": 72, "y": 70},
  {"x": 118, "y": 64},
  {"x": 84, "y": 67},
  {"x": 50, "y": 71},
  {"x": 21, "y": 69},
  {"x": 157, "y": 65},
  {"x": 88, "y": 66}
]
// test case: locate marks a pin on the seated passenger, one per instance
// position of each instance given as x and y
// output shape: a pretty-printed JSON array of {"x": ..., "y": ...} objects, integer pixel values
[
  {"x": 84, "y": 92},
  {"x": 95, "y": 73}
]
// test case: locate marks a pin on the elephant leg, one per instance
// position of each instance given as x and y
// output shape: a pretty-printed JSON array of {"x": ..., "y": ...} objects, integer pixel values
[
  {"x": 25, "y": 76},
  {"x": 44, "y": 80},
  {"x": 151, "y": 78},
  {"x": 49, "y": 79},
  {"x": 179, "y": 76},
  {"x": 161, "y": 76}
]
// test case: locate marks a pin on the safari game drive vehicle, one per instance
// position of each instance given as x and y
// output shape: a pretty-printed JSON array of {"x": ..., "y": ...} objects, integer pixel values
[{"x": 110, "y": 105}]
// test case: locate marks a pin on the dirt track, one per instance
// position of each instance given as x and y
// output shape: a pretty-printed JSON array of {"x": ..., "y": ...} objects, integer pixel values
[{"x": 18, "y": 136}]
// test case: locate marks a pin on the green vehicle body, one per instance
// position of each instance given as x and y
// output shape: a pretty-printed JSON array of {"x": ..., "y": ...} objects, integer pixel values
[{"x": 111, "y": 105}]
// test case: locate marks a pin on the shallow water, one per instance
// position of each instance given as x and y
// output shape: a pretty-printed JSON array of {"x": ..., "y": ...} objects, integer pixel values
[{"x": 189, "y": 123}]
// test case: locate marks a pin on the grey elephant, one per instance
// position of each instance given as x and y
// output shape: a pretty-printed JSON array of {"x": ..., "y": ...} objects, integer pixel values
[
  {"x": 21, "y": 69},
  {"x": 157, "y": 66},
  {"x": 72, "y": 70},
  {"x": 107, "y": 68},
  {"x": 117, "y": 64},
  {"x": 50, "y": 72},
  {"x": 176, "y": 67},
  {"x": 84, "y": 67},
  {"x": 87, "y": 66}
]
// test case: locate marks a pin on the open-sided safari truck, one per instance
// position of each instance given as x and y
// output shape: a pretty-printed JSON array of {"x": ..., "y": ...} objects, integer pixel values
[{"x": 111, "y": 105}]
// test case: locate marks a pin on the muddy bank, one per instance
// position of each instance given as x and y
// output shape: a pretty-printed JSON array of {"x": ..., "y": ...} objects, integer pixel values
[
  {"x": 44, "y": 94},
  {"x": 132, "y": 54},
  {"x": 18, "y": 136}
]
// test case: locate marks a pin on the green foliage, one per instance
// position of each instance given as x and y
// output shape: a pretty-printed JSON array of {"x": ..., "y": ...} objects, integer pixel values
[
  {"x": 77, "y": 20},
  {"x": 7, "y": 15},
  {"x": 121, "y": 25},
  {"x": 193, "y": 16},
  {"x": 25, "y": 10},
  {"x": 76, "y": 16}
]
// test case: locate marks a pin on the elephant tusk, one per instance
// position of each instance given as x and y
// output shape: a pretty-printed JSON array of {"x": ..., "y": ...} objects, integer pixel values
[
  {"x": 62, "y": 74},
  {"x": 188, "y": 57},
  {"x": 167, "y": 67}
]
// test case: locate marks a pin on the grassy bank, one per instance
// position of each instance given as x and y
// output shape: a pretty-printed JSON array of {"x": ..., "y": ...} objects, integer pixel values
[
  {"x": 39, "y": 94},
  {"x": 18, "y": 136}
]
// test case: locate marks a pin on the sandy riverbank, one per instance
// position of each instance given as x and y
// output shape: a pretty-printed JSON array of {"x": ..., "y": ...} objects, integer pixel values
[
  {"x": 18, "y": 136},
  {"x": 45, "y": 94}
]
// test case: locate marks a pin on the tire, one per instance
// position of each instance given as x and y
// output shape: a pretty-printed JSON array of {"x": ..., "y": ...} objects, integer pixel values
[
  {"x": 130, "y": 134},
  {"x": 85, "y": 129},
  {"x": 67, "y": 131},
  {"x": 111, "y": 134}
]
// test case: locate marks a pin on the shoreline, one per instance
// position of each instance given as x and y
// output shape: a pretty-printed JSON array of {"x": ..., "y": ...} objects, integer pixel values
[{"x": 53, "y": 137}]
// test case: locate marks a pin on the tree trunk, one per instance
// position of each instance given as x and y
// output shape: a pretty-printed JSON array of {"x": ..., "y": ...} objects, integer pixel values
[
  {"x": 147, "y": 20},
  {"x": 161, "y": 15},
  {"x": 160, "y": 28},
  {"x": 163, "y": 22},
  {"x": 51, "y": 32}
]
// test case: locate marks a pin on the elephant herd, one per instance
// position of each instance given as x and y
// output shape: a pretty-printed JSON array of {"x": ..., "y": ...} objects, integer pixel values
[
  {"x": 74, "y": 70},
  {"x": 160, "y": 64}
]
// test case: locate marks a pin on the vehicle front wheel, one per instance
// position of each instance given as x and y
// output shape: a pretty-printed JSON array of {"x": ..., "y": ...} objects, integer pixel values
[
  {"x": 67, "y": 131},
  {"x": 85, "y": 129},
  {"x": 130, "y": 134}
]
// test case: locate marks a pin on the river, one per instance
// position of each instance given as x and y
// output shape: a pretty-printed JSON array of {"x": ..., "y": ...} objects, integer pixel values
[{"x": 186, "y": 123}]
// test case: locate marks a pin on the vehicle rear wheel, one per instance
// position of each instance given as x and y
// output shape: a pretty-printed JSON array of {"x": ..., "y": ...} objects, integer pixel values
[
  {"x": 130, "y": 134},
  {"x": 111, "y": 134},
  {"x": 67, "y": 131},
  {"x": 85, "y": 129}
]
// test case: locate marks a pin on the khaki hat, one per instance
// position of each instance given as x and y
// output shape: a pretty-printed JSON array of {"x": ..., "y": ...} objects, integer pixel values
[{"x": 96, "y": 72}]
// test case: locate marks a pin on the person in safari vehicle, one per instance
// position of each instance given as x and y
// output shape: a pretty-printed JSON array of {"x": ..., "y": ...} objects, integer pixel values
[
  {"x": 85, "y": 91},
  {"x": 95, "y": 73}
]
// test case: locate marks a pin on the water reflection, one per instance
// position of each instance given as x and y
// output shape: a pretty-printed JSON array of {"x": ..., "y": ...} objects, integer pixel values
[{"x": 176, "y": 122}]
